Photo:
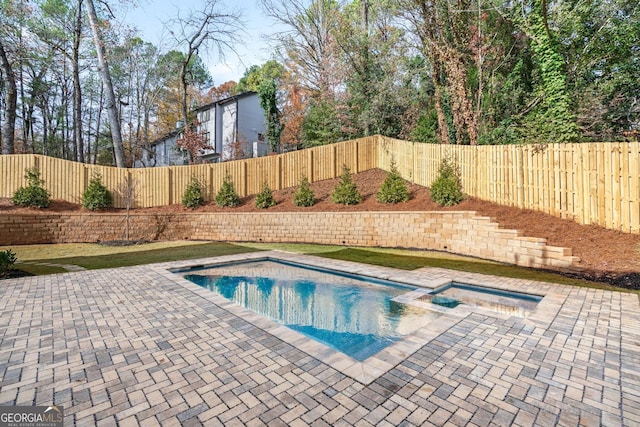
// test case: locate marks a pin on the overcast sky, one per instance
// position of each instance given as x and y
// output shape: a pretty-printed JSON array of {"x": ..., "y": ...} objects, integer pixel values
[{"x": 150, "y": 14}]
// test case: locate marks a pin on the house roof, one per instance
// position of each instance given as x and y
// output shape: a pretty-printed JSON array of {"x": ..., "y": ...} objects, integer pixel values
[
  {"x": 166, "y": 136},
  {"x": 226, "y": 100}
]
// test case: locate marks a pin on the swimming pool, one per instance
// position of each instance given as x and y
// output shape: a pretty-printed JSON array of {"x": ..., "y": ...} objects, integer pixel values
[{"x": 358, "y": 316}]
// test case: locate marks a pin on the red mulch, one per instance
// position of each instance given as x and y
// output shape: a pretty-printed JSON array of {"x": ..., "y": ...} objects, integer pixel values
[{"x": 605, "y": 254}]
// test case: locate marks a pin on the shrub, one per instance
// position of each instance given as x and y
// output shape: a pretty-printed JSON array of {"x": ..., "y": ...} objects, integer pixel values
[
  {"x": 33, "y": 194},
  {"x": 394, "y": 188},
  {"x": 265, "y": 199},
  {"x": 446, "y": 190},
  {"x": 7, "y": 260},
  {"x": 96, "y": 196},
  {"x": 227, "y": 196},
  {"x": 346, "y": 192},
  {"x": 304, "y": 195},
  {"x": 192, "y": 197}
]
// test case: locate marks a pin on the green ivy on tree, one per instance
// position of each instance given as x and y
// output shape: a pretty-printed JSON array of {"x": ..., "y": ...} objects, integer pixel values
[
  {"x": 553, "y": 120},
  {"x": 267, "y": 94}
]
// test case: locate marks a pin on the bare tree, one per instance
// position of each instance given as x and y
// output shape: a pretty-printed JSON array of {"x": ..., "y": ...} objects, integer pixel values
[
  {"x": 111, "y": 104},
  {"x": 77, "y": 89},
  {"x": 209, "y": 28},
  {"x": 309, "y": 41},
  {"x": 442, "y": 31},
  {"x": 128, "y": 190},
  {"x": 55, "y": 27}
]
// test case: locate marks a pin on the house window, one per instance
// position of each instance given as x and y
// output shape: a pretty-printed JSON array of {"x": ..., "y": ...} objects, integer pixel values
[{"x": 207, "y": 139}]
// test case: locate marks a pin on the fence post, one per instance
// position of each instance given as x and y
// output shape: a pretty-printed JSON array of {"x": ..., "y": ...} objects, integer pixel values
[
  {"x": 356, "y": 157},
  {"x": 243, "y": 179},
  {"x": 310, "y": 166},
  {"x": 334, "y": 161},
  {"x": 278, "y": 173},
  {"x": 414, "y": 166},
  {"x": 210, "y": 193},
  {"x": 170, "y": 195}
]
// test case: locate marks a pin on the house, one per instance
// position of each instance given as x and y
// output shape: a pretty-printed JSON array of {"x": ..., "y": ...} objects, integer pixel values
[
  {"x": 163, "y": 152},
  {"x": 233, "y": 127}
]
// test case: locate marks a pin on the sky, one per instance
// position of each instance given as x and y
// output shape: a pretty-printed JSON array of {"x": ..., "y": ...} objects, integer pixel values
[{"x": 149, "y": 15}]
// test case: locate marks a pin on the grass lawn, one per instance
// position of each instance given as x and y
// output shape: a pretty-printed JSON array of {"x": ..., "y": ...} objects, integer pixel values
[
  {"x": 412, "y": 259},
  {"x": 94, "y": 256}
]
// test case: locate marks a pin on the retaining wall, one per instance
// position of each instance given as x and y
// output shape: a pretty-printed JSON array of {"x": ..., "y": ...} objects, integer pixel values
[{"x": 455, "y": 232}]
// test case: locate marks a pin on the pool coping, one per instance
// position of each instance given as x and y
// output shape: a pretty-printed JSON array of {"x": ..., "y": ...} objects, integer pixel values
[{"x": 382, "y": 362}]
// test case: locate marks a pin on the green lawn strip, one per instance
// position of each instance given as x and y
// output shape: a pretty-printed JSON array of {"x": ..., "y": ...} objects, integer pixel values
[
  {"x": 394, "y": 258},
  {"x": 302, "y": 248},
  {"x": 407, "y": 262},
  {"x": 39, "y": 270},
  {"x": 407, "y": 259},
  {"x": 128, "y": 259},
  {"x": 67, "y": 250}
]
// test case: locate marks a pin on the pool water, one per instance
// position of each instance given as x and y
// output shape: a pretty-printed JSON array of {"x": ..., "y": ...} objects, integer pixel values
[{"x": 354, "y": 315}]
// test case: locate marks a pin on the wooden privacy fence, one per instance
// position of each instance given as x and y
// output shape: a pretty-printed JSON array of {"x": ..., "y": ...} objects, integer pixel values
[
  {"x": 591, "y": 183},
  {"x": 161, "y": 186}
]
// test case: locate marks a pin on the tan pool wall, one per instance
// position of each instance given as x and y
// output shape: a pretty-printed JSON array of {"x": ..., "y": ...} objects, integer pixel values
[{"x": 455, "y": 232}]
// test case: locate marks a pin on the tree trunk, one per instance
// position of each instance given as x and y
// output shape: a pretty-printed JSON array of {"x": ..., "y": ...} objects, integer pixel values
[
  {"x": 443, "y": 127},
  {"x": 77, "y": 91},
  {"x": 45, "y": 125},
  {"x": 96, "y": 150},
  {"x": 9, "y": 125},
  {"x": 185, "y": 85},
  {"x": 111, "y": 105}
]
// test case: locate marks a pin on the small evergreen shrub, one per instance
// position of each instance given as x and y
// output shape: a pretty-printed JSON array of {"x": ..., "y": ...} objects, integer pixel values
[
  {"x": 96, "y": 196},
  {"x": 227, "y": 196},
  {"x": 346, "y": 192},
  {"x": 192, "y": 197},
  {"x": 7, "y": 260},
  {"x": 446, "y": 190},
  {"x": 394, "y": 189},
  {"x": 304, "y": 195},
  {"x": 265, "y": 199},
  {"x": 34, "y": 194}
]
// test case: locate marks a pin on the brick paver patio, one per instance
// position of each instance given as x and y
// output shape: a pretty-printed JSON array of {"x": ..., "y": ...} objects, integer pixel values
[{"x": 142, "y": 346}]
